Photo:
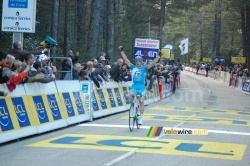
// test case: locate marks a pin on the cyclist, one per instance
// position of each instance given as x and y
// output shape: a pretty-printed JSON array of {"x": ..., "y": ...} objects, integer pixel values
[{"x": 138, "y": 78}]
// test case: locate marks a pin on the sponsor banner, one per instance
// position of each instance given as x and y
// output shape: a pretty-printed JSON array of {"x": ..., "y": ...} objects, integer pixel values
[
  {"x": 73, "y": 102},
  {"x": 246, "y": 87},
  {"x": 207, "y": 60},
  {"x": 218, "y": 59},
  {"x": 19, "y": 16},
  {"x": 16, "y": 119},
  {"x": 146, "y": 48},
  {"x": 238, "y": 59}
]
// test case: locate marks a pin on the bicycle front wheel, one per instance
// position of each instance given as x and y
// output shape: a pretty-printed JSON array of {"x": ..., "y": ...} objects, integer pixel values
[{"x": 131, "y": 117}]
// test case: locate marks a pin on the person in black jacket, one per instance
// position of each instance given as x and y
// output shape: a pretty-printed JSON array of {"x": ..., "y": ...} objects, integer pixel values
[
  {"x": 18, "y": 52},
  {"x": 3, "y": 59},
  {"x": 71, "y": 55},
  {"x": 76, "y": 70},
  {"x": 66, "y": 67}
]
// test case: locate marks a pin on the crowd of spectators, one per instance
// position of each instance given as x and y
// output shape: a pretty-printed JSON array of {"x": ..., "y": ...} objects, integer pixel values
[
  {"x": 237, "y": 69},
  {"x": 19, "y": 67}
]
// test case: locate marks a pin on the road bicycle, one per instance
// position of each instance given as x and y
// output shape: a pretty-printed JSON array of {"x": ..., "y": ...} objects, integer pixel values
[{"x": 134, "y": 112}]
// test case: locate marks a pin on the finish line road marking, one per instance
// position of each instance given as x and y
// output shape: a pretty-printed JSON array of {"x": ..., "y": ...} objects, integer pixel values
[
  {"x": 201, "y": 110},
  {"x": 166, "y": 128},
  {"x": 195, "y": 119},
  {"x": 178, "y": 147}
]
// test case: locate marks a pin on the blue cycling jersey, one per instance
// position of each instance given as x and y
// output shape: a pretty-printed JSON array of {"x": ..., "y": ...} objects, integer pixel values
[{"x": 139, "y": 74}]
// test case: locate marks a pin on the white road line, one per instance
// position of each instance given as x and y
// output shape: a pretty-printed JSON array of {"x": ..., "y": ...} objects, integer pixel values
[
  {"x": 120, "y": 158},
  {"x": 167, "y": 128}
]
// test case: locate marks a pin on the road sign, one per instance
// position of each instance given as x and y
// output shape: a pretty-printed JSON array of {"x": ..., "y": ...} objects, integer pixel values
[{"x": 146, "y": 48}]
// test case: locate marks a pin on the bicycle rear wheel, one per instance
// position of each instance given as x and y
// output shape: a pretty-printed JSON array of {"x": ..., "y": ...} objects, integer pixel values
[{"x": 131, "y": 117}]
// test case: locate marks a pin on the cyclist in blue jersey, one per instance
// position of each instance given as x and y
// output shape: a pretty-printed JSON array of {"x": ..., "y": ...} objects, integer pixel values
[{"x": 138, "y": 78}]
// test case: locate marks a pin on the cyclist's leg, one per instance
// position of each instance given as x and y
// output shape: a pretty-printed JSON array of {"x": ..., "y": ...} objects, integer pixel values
[
  {"x": 142, "y": 105},
  {"x": 143, "y": 95},
  {"x": 132, "y": 93}
]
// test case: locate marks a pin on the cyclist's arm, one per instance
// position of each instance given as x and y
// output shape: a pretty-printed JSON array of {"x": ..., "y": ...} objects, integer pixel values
[
  {"x": 125, "y": 58},
  {"x": 154, "y": 62}
]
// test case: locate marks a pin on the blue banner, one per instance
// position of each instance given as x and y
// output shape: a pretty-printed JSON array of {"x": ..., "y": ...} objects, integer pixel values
[
  {"x": 218, "y": 59},
  {"x": 68, "y": 104},
  {"x": 94, "y": 102},
  {"x": 125, "y": 91},
  {"x": 40, "y": 109},
  {"x": 146, "y": 53},
  {"x": 20, "y": 111},
  {"x": 102, "y": 99},
  {"x": 5, "y": 119},
  {"x": 246, "y": 87},
  {"x": 118, "y": 97},
  {"x": 111, "y": 97},
  {"x": 18, "y": 4},
  {"x": 54, "y": 107},
  {"x": 79, "y": 104}
]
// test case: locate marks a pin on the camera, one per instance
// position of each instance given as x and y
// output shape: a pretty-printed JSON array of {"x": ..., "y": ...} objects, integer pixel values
[{"x": 50, "y": 41}]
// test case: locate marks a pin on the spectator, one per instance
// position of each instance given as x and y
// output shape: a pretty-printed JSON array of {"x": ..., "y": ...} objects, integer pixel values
[
  {"x": 17, "y": 78},
  {"x": 101, "y": 65},
  {"x": 38, "y": 71},
  {"x": 83, "y": 75},
  {"x": 97, "y": 71},
  {"x": 28, "y": 61},
  {"x": 3, "y": 93},
  {"x": 207, "y": 69},
  {"x": 115, "y": 69},
  {"x": 18, "y": 52},
  {"x": 73, "y": 58},
  {"x": 3, "y": 59},
  {"x": 126, "y": 76},
  {"x": 150, "y": 77},
  {"x": 76, "y": 70},
  {"x": 66, "y": 68},
  {"x": 84, "y": 66},
  {"x": 48, "y": 70},
  {"x": 197, "y": 68},
  {"x": 91, "y": 74}
]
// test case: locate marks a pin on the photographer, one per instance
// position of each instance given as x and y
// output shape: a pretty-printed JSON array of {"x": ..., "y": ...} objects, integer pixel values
[{"x": 48, "y": 69}]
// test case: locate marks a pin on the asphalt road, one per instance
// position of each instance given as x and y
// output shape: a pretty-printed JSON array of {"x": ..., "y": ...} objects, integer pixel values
[{"x": 200, "y": 103}]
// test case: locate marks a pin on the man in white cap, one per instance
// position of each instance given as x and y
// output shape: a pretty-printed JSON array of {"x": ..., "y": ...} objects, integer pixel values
[{"x": 44, "y": 59}]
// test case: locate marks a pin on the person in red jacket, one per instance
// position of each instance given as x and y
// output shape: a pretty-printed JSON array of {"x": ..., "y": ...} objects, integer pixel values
[{"x": 17, "y": 78}]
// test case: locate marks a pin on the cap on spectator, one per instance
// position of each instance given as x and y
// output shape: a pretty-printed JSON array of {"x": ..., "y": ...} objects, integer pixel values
[
  {"x": 102, "y": 58},
  {"x": 43, "y": 57},
  {"x": 108, "y": 67}
]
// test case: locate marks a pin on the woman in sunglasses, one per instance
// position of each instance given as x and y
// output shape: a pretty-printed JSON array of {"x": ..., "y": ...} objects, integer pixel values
[{"x": 138, "y": 78}]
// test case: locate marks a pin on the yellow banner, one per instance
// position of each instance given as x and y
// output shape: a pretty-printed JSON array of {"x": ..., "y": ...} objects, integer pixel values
[
  {"x": 207, "y": 60},
  {"x": 192, "y": 60},
  {"x": 172, "y": 56},
  {"x": 238, "y": 59}
]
